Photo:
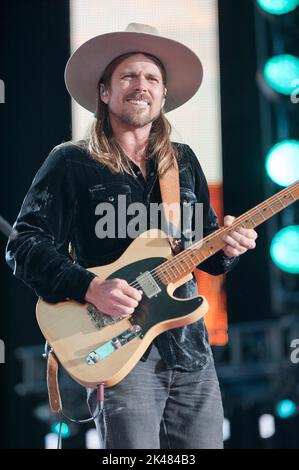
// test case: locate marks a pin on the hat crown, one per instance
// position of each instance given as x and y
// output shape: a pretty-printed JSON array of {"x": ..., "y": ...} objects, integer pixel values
[{"x": 141, "y": 28}]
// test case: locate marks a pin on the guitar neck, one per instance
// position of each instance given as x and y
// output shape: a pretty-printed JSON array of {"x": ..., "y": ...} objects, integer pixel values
[{"x": 186, "y": 261}]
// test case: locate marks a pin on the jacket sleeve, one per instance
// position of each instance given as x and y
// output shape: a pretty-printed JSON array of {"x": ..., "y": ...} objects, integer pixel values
[
  {"x": 218, "y": 263},
  {"x": 37, "y": 253}
]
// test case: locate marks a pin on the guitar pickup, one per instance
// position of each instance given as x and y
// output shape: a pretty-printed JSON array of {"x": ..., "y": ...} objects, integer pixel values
[{"x": 148, "y": 284}]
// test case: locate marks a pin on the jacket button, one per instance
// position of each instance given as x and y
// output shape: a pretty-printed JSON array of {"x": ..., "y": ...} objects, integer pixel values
[{"x": 111, "y": 198}]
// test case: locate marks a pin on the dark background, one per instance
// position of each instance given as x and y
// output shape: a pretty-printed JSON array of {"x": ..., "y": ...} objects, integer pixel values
[
  {"x": 243, "y": 168},
  {"x": 35, "y": 117}
]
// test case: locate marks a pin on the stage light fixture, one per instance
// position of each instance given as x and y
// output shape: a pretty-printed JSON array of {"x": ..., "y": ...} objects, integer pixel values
[
  {"x": 284, "y": 249},
  {"x": 281, "y": 73},
  {"x": 286, "y": 408},
  {"x": 266, "y": 426},
  {"x": 282, "y": 162},
  {"x": 278, "y": 7}
]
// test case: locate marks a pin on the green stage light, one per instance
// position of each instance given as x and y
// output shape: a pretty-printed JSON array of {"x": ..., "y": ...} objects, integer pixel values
[
  {"x": 278, "y": 7},
  {"x": 286, "y": 408},
  {"x": 281, "y": 72},
  {"x": 282, "y": 162},
  {"x": 65, "y": 430},
  {"x": 284, "y": 249}
]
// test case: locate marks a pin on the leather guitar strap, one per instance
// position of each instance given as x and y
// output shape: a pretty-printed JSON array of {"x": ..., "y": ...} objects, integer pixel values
[
  {"x": 170, "y": 195},
  {"x": 52, "y": 371},
  {"x": 52, "y": 382}
]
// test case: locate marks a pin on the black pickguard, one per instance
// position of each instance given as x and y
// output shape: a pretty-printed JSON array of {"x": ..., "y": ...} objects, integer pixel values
[{"x": 159, "y": 308}]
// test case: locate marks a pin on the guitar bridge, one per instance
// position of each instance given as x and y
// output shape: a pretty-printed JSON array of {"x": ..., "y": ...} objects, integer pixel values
[{"x": 148, "y": 284}]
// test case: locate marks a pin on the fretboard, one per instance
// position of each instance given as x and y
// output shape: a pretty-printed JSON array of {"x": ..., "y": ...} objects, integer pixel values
[{"x": 185, "y": 262}]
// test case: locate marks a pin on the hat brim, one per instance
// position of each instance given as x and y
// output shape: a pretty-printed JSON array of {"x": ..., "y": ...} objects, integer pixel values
[{"x": 86, "y": 66}]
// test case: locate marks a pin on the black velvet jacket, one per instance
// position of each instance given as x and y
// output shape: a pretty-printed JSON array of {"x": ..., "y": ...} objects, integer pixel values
[{"x": 60, "y": 208}]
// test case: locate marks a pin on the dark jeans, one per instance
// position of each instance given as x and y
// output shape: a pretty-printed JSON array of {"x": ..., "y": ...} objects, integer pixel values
[{"x": 155, "y": 408}]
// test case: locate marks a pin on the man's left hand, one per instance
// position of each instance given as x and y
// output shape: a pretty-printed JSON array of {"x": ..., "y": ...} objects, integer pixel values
[{"x": 239, "y": 240}]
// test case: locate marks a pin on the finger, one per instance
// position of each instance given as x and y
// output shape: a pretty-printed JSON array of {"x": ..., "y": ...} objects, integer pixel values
[
  {"x": 121, "y": 311},
  {"x": 230, "y": 251},
  {"x": 236, "y": 240},
  {"x": 247, "y": 232},
  {"x": 132, "y": 292},
  {"x": 122, "y": 299}
]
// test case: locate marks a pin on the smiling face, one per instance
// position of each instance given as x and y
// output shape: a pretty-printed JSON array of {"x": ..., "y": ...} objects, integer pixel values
[{"x": 136, "y": 92}]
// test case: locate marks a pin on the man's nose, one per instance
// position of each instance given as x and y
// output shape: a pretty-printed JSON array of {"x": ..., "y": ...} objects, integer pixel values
[{"x": 140, "y": 83}]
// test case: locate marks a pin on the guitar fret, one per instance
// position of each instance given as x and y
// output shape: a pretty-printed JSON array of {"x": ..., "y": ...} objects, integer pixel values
[
  {"x": 243, "y": 224},
  {"x": 183, "y": 261},
  {"x": 173, "y": 274},
  {"x": 191, "y": 261},
  {"x": 196, "y": 257},
  {"x": 200, "y": 254},
  {"x": 256, "y": 222},
  {"x": 270, "y": 206},
  {"x": 252, "y": 220},
  {"x": 193, "y": 255},
  {"x": 204, "y": 246},
  {"x": 186, "y": 261},
  {"x": 175, "y": 267},
  {"x": 277, "y": 206},
  {"x": 291, "y": 194},
  {"x": 182, "y": 266},
  {"x": 280, "y": 200},
  {"x": 166, "y": 274},
  {"x": 260, "y": 212}
]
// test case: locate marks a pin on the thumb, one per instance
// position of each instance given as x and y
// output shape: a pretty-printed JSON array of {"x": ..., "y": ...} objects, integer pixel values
[{"x": 228, "y": 220}]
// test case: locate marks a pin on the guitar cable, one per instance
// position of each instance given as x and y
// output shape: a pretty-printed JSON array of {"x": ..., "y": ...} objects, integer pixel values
[{"x": 99, "y": 410}]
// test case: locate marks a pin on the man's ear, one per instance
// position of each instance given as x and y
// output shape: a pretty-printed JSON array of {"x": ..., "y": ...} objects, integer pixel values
[
  {"x": 163, "y": 102},
  {"x": 104, "y": 93}
]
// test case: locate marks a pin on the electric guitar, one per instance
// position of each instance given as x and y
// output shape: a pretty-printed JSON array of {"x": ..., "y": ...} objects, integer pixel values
[{"x": 95, "y": 348}]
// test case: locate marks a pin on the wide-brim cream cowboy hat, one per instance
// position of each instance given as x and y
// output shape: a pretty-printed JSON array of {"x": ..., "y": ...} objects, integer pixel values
[{"x": 86, "y": 65}]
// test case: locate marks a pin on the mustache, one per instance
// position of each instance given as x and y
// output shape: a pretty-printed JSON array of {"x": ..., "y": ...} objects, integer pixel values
[{"x": 139, "y": 96}]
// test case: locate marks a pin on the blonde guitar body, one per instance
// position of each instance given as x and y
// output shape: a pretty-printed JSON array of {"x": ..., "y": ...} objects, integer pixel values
[{"x": 96, "y": 349}]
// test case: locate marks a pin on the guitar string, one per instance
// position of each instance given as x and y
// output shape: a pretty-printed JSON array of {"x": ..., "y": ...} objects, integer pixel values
[
  {"x": 161, "y": 269},
  {"x": 239, "y": 221},
  {"x": 176, "y": 261}
]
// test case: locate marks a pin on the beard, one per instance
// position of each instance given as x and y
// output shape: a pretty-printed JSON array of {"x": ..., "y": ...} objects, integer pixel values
[{"x": 135, "y": 118}]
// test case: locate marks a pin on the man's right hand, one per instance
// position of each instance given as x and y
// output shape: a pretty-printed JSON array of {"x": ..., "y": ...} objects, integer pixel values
[{"x": 115, "y": 297}]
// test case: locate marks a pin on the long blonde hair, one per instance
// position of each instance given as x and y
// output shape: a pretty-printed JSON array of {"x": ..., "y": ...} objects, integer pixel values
[{"x": 104, "y": 148}]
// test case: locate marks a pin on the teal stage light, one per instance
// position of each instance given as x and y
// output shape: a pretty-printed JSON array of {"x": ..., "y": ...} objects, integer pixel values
[
  {"x": 286, "y": 408},
  {"x": 282, "y": 162},
  {"x": 281, "y": 72},
  {"x": 65, "y": 430},
  {"x": 284, "y": 249},
  {"x": 278, "y": 7}
]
